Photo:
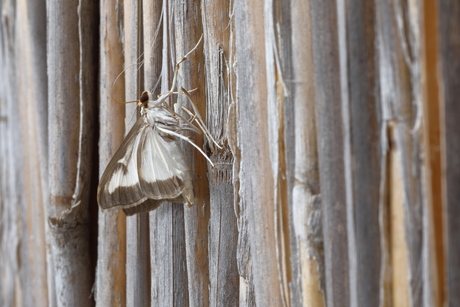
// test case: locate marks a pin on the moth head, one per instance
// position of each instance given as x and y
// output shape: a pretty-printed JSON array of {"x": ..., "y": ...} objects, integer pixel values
[{"x": 144, "y": 99}]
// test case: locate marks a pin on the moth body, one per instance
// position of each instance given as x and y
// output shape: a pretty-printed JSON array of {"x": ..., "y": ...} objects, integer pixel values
[{"x": 149, "y": 167}]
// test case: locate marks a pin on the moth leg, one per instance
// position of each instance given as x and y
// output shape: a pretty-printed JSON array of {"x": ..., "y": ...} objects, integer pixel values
[
  {"x": 177, "y": 93},
  {"x": 176, "y": 68},
  {"x": 192, "y": 116},
  {"x": 163, "y": 96},
  {"x": 187, "y": 140},
  {"x": 197, "y": 118}
]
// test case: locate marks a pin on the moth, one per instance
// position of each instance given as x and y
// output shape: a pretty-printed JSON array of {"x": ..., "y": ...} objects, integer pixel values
[{"x": 149, "y": 167}]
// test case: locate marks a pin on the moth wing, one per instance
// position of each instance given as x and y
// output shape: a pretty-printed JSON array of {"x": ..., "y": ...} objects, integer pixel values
[
  {"x": 119, "y": 185},
  {"x": 163, "y": 172},
  {"x": 146, "y": 206},
  {"x": 146, "y": 170}
]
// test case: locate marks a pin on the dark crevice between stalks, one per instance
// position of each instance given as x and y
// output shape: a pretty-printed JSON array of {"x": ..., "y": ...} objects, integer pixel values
[{"x": 93, "y": 211}]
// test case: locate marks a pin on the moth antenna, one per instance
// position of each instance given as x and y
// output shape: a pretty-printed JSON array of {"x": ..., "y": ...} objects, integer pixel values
[
  {"x": 139, "y": 63},
  {"x": 155, "y": 36},
  {"x": 187, "y": 140},
  {"x": 152, "y": 90},
  {"x": 115, "y": 81}
]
